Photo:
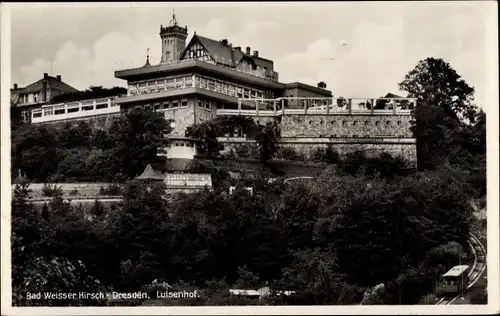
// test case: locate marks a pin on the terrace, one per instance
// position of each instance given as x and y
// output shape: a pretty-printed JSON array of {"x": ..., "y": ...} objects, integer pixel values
[{"x": 321, "y": 106}]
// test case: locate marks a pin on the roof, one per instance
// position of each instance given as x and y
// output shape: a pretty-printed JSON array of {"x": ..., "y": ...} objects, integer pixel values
[
  {"x": 456, "y": 271},
  {"x": 150, "y": 174},
  {"x": 304, "y": 86},
  {"x": 52, "y": 82},
  {"x": 244, "y": 292},
  {"x": 187, "y": 180},
  {"x": 223, "y": 53},
  {"x": 175, "y": 137},
  {"x": 392, "y": 95}
]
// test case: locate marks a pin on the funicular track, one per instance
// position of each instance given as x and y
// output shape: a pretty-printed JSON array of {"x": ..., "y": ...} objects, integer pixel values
[{"x": 475, "y": 273}]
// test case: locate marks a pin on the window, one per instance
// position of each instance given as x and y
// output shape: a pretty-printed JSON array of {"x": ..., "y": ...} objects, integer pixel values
[
  {"x": 184, "y": 103},
  {"x": 321, "y": 122},
  {"x": 239, "y": 92},
  {"x": 310, "y": 122},
  {"x": 377, "y": 122},
  {"x": 200, "y": 103},
  {"x": 101, "y": 106},
  {"x": 38, "y": 114},
  {"x": 344, "y": 122},
  {"x": 87, "y": 108},
  {"x": 170, "y": 81},
  {"x": 366, "y": 122},
  {"x": 388, "y": 122},
  {"x": 142, "y": 84},
  {"x": 147, "y": 107},
  {"x": 73, "y": 110},
  {"x": 35, "y": 97},
  {"x": 211, "y": 84},
  {"x": 157, "y": 106},
  {"x": 332, "y": 122},
  {"x": 166, "y": 105},
  {"x": 207, "y": 104},
  {"x": 182, "y": 144},
  {"x": 48, "y": 111},
  {"x": 355, "y": 122},
  {"x": 399, "y": 122},
  {"x": 151, "y": 83},
  {"x": 246, "y": 93},
  {"x": 175, "y": 104}
]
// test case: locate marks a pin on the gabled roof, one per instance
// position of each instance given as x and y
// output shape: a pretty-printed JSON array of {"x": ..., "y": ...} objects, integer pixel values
[
  {"x": 52, "y": 82},
  {"x": 150, "y": 174},
  {"x": 222, "y": 53},
  {"x": 392, "y": 95}
]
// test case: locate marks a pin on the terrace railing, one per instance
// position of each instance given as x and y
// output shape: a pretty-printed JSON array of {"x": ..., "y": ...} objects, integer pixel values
[{"x": 306, "y": 105}]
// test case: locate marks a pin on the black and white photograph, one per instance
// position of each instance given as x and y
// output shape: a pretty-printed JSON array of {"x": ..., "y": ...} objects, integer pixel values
[{"x": 250, "y": 158}]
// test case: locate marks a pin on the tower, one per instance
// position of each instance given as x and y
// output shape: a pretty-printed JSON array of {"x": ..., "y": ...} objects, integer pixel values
[{"x": 173, "y": 40}]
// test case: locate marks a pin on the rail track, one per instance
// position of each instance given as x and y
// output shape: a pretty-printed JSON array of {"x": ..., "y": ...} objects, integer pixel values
[{"x": 475, "y": 273}]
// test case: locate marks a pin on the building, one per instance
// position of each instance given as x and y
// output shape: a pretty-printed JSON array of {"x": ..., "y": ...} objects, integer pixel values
[
  {"x": 41, "y": 92},
  {"x": 194, "y": 80},
  {"x": 178, "y": 182},
  {"x": 204, "y": 78}
]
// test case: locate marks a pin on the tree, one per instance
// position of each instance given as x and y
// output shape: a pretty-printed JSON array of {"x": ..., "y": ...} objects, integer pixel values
[
  {"x": 35, "y": 151},
  {"x": 435, "y": 83},
  {"x": 268, "y": 140},
  {"x": 139, "y": 137},
  {"x": 208, "y": 131},
  {"x": 445, "y": 106},
  {"x": 341, "y": 102}
]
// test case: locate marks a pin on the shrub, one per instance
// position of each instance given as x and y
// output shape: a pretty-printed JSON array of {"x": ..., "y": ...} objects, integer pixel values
[
  {"x": 49, "y": 190},
  {"x": 112, "y": 189}
]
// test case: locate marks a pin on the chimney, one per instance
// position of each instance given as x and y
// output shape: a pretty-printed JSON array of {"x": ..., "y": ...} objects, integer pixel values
[
  {"x": 255, "y": 53},
  {"x": 238, "y": 48},
  {"x": 58, "y": 78},
  {"x": 224, "y": 41},
  {"x": 45, "y": 75},
  {"x": 248, "y": 50},
  {"x": 15, "y": 86}
]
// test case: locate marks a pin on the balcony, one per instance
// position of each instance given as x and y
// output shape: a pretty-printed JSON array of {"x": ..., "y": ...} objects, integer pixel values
[
  {"x": 322, "y": 106},
  {"x": 74, "y": 110}
]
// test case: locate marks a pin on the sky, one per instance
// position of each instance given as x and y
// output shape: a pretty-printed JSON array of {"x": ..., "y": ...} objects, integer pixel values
[{"x": 360, "y": 49}]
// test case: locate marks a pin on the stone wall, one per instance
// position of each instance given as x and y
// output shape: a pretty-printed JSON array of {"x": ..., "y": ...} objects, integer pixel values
[
  {"x": 96, "y": 122},
  {"x": 183, "y": 117},
  {"x": 204, "y": 114},
  {"x": 311, "y": 125},
  {"x": 406, "y": 150}
]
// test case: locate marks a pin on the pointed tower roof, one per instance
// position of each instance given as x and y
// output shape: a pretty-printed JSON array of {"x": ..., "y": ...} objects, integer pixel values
[
  {"x": 147, "y": 64},
  {"x": 150, "y": 174}
]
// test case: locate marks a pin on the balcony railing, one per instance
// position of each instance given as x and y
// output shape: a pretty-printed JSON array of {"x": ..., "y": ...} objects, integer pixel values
[
  {"x": 264, "y": 74},
  {"x": 306, "y": 105},
  {"x": 74, "y": 110}
]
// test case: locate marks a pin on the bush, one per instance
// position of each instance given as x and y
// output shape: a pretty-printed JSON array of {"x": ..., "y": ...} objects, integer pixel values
[
  {"x": 326, "y": 155},
  {"x": 112, "y": 189},
  {"x": 49, "y": 190}
]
